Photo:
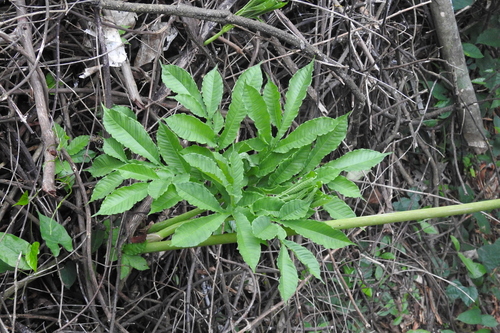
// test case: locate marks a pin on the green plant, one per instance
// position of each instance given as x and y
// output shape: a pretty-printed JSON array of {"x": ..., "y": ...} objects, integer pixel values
[
  {"x": 253, "y": 9},
  {"x": 77, "y": 149},
  {"x": 480, "y": 265},
  {"x": 475, "y": 317},
  {"x": 250, "y": 192},
  {"x": 16, "y": 253},
  {"x": 484, "y": 66},
  {"x": 263, "y": 188}
]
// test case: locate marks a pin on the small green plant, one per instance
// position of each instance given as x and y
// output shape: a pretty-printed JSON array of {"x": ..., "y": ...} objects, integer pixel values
[
  {"x": 484, "y": 66},
  {"x": 16, "y": 253},
  {"x": 480, "y": 265},
  {"x": 263, "y": 188},
  {"x": 253, "y": 9},
  {"x": 77, "y": 149}
]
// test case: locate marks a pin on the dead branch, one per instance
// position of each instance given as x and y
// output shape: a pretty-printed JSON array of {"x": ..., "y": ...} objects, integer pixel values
[{"x": 39, "y": 87}]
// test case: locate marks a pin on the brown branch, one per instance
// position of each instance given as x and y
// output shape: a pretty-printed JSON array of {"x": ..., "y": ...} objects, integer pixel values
[
  {"x": 219, "y": 16},
  {"x": 470, "y": 114},
  {"x": 39, "y": 87}
]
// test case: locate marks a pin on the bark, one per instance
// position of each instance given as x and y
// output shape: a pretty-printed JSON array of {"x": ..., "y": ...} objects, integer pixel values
[
  {"x": 37, "y": 82},
  {"x": 451, "y": 48}
]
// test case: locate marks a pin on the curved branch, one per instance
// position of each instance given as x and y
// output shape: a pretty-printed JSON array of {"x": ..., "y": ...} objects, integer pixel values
[{"x": 219, "y": 16}]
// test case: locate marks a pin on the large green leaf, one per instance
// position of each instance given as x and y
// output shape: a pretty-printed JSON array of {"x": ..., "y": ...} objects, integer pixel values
[
  {"x": 268, "y": 206},
  {"x": 297, "y": 90},
  {"x": 476, "y": 270},
  {"x": 326, "y": 174},
  {"x": 195, "y": 149},
  {"x": 170, "y": 148},
  {"x": 217, "y": 122},
  {"x": 357, "y": 160},
  {"x": 252, "y": 77},
  {"x": 290, "y": 167},
  {"x": 106, "y": 185},
  {"x": 32, "y": 255},
  {"x": 137, "y": 171},
  {"x": 78, "y": 144},
  {"x": 123, "y": 199},
  {"x": 250, "y": 144},
  {"x": 212, "y": 89},
  {"x": 250, "y": 197},
  {"x": 234, "y": 117},
  {"x": 471, "y": 50},
  {"x": 165, "y": 201},
  {"x": 456, "y": 290},
  {"x": 61, "y": 136},
  {"x": 131, "y": 134},
  {"x": 263, "y": 228},
  {"x": 237, "y": 173},
  {"x": 54, "y": 234},
  {"x": 338, "y": 209},
  {"x": 294, "y": 209},
  {"x": 223, "y": 164},
  {"x": 248, "y": 244},
  {"x": 191, "y": 128},
  {"x": 306, "y": 133},
  {"x": 272, "y": 98},
  {"x": 132, "y": 261},
  {"x": 198, "y": 195},
  {"x": 159, "y": 186},
  {"x": 115, "y": 149},
  {"x": 237, "y": 112},
  {"x": 10, "y": 249},
  {"x": 23, "y": 200},
  {"x": 125, "y": 111},
  {"x": 104, "y": 164},
  {"x": 305, "y": 256},
  {"x": 488, "y": 255},
  {"x": 288, "y": 274},
  {"x": 475, "y": 317},
  {"x": 181, "y": 82},
  {"x": 191, "y": 104},
  {"x": 489, "y": 37},
  {"x": 257, "y": 111},
  {"x": 195, "y": 231},
  {"x": 304, "y": 185},
  {"x": 207, "y": 166},
  {"x": 345, "y": 187},
  {"x": 84, "y": 156},
  {"x": 327, "y": 143},
  {"x": 318, "y": 232},
  {"x": 270, "y": 162}
]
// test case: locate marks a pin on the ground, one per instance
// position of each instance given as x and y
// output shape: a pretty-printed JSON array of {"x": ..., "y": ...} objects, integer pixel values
[{"x": 381, "y": 61}]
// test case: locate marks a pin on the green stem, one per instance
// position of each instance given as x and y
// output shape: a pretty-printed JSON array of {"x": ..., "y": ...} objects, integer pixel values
[
  {"x": 167, "y": 245},
  {"x": 363, "y": 221},
  {"x": 174, "y": 220},
  {"x": 164, "y": 233},
  {"x": 411, "y": 215},
  {"x": 225, "y": 29}
]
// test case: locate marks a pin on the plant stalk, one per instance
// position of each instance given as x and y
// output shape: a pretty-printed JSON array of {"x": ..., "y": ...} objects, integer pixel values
[
  {"x": 174, "y": 220},
  {"x": 355, "y": 222}
]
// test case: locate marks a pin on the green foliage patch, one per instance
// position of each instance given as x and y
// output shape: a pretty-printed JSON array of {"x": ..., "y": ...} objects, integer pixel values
[{"x": 269, "y": 185}]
